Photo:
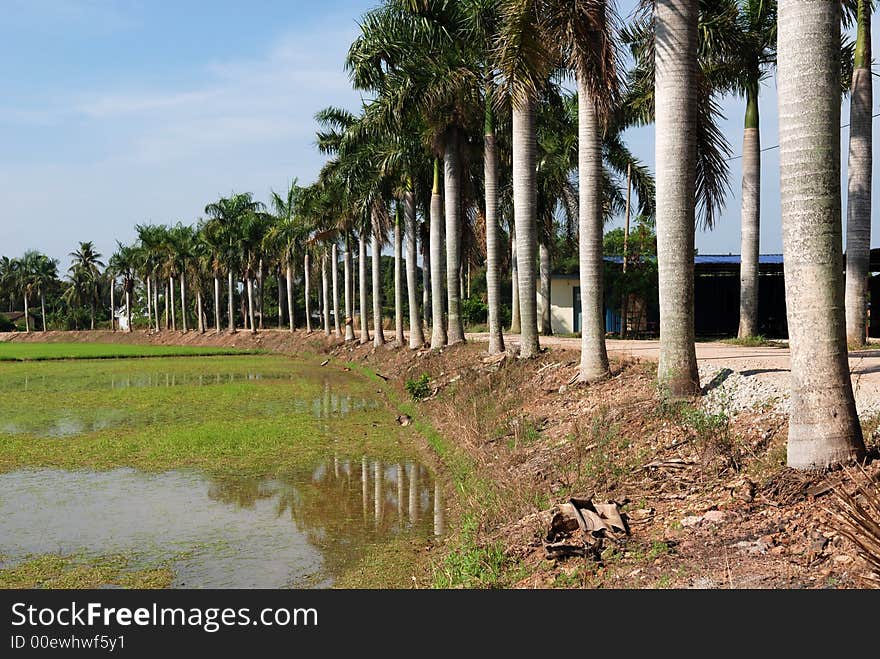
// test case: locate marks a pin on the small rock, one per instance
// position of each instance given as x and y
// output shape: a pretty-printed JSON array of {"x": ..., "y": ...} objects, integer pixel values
[
  {"x": 692, "y": 520},
  {"x": 714, "y": 516},
  {"x": 777, "y": 551},
  {"x": 843, "y": 559},
  {"x": 563, "y": 388}
]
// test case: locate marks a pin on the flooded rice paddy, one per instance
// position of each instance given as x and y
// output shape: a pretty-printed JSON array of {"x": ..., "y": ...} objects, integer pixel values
[{"x": 250, "y": 471}]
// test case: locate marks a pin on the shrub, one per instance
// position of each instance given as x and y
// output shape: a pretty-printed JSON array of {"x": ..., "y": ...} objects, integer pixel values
[
  {"x": 474, "y": 311},
  {"x": 419, "y": 388}
]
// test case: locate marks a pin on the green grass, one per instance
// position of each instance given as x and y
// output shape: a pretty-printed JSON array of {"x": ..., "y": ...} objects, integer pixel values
[
  {"x": 63, "y": 572},
  {"x": 754, "y": 342},
  {"x": 207, "y": 413},
  {"x": 14, "y": 351}
]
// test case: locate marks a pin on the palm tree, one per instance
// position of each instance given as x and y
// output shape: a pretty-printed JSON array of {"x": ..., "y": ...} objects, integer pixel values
[
  {"x": 85, "y": 271},
  {"x": 823, "y": 426},
  {"x": 283, "y": 235},
  {"x": 150, "y": 238},
  {"x": 182, "y": 245},
  {"x": 860, "y": 172},
  {"x": 123, "y": 264},
  {"x": 44, "y": 275},
  {"x": 675, "y": 43},
  {"x": 755, "y": 56},
  {"x": 22, "y": 282}
]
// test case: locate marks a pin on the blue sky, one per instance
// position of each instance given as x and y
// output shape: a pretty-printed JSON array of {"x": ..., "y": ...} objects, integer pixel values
[{"x": 120, "y": 112}]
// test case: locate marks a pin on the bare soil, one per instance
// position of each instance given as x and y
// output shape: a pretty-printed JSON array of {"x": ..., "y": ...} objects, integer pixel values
[{"x": 709, "y": 501}]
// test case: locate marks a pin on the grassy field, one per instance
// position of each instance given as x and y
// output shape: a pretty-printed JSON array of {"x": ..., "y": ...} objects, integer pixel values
[{"x": 14, "y": 351}]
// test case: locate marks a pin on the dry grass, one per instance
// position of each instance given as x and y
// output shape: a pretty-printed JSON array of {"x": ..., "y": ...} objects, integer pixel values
[{"x": 855, "y": 512}]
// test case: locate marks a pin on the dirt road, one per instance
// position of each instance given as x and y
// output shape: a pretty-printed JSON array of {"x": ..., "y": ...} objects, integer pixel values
[{"x": 766, "y": 368}]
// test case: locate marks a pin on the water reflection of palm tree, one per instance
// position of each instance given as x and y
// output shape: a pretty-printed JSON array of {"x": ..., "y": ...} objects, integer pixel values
[
  {"x": 413, "y": 493},
  {"x": 380, "y": 494},
  {"x": 438, "y": 510}
]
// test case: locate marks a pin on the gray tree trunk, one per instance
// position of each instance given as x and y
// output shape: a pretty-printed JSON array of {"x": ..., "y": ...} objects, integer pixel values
[
  {"x": 231, "y": 311},
  {"x": 362, "y": 283},
  {"x": 128, "y": 309},
  {"x": 416, "y": 336},
  {"x": 43, "y": 309},
  {"x": 594, "y": 357},
  {"x": 493, "y": 245},
  {"x": 378, "y": 334},
  {"x": 438, "y": 330},
  {"x": 173, "y": 310},
  {"x": 307, "y": 293},
  {"x": 167, "y": 314},
  {"x": 426, "y": 280},
  {"x": 348, "y": 289},
  {"x": 249, "y": 283},
  {"x": 515, "y": 324},
  {"x": 325, "y": 294},
  {"x": 112, "y": 307},
  {"x": 291, "y": 320},
  {"x": 27, "y": 321},
  {"x": 156, "y": 302},
  {"x": 524, "y": 213},
  {"x": 149, "y": 285},
  {"x": 823, "y": 426},
  {"x": 399, "y": 338},
  {"x": 860, "y": 171},
  {"x": 675, "y": 24},
  {"x": 183, "y": 300},
  {"x": 751, "y": 218},
  {"x": 545, "y": 267},
  {"x": 282, "y": 292},
  {"x": 334, "y": 272},
  {"x": 452, "y": 202},
  {"x": 216, "y": 303},
  {"x": 201, "y": 320}
]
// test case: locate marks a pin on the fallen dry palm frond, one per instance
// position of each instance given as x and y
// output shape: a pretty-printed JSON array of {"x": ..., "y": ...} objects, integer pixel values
[{"x": 856, "y": 516}]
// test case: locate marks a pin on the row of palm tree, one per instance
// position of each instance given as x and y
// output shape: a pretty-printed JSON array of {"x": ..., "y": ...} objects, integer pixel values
[{"x": 470, "y": 136}]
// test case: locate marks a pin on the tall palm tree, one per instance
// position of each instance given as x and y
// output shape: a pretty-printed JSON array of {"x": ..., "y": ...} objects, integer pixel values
[
  {"x": 675, "y": 43},
  {"x": 823, "y": 426},
  {"x": 182, "y": 242},
  {"x": 860, "y": 173},
  {"x": 44, "y": 275},
  {"x": 23, "y": 282},
  {"x": 123, "y": 264},
  {"x": 283, "y": 235},
  {"x": 85, "y": 270},
  {"x": 756, "y": 55}
]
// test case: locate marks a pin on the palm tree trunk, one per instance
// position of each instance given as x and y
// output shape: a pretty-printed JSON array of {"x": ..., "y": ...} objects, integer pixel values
[
  {"x": 452, "y": 201},
  {"x": 112, "y": 305},
  {"x": 524, "y": 207},
  {"x": 362, "y": 282},
  {"x": 545, "y": 267},
  {"x": 594, "y": 357},
  {"x": 325, "y": 290},
  {"x": 416, "y": 336},
  {"x": 201, "y": 320},
  {"x": 399, "y": 337},
  {"x": 675, "y": 81},
  {"x": 860, "y": 171},
  {"x": 426, "y": 279},
  {"x": 281, "y": 293},
  {"x": 156, "y": 301},
  {"x": 493, "y": 285},
  {"x": 249, "y": 283},
  {"x": 515, "y": 324},
  {"x": 231, "y": 310},
  {"x": 334, "y": 275},
  {"x": 92, "y": 315},
  {"x": 167, "y": 315},
  {"x": 290, "y": 311},
  {"x": 216, "y": 303},
  {"x": 27, "y": 321},
  {"x": 173, "y": 311},
  {"x": 348, "y": 288},
  {"x": 183, "y": 300},
  {"x": 43, "y": 308},
  {"x": 823, "y": 427},
  {"x": 149, "y": 302},
  {"x": 261, "y": 307},
  {"x": 438, "y": 332},
  {"x": 128, "y": 309},
  {"x": 307, "y": 291},
  {"x": 751, "y": 217},
  {"x": 378, "y": 334}
]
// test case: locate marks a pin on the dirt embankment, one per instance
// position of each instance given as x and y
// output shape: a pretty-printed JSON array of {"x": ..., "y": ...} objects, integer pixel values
[{"x": 708, "y": 499}]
